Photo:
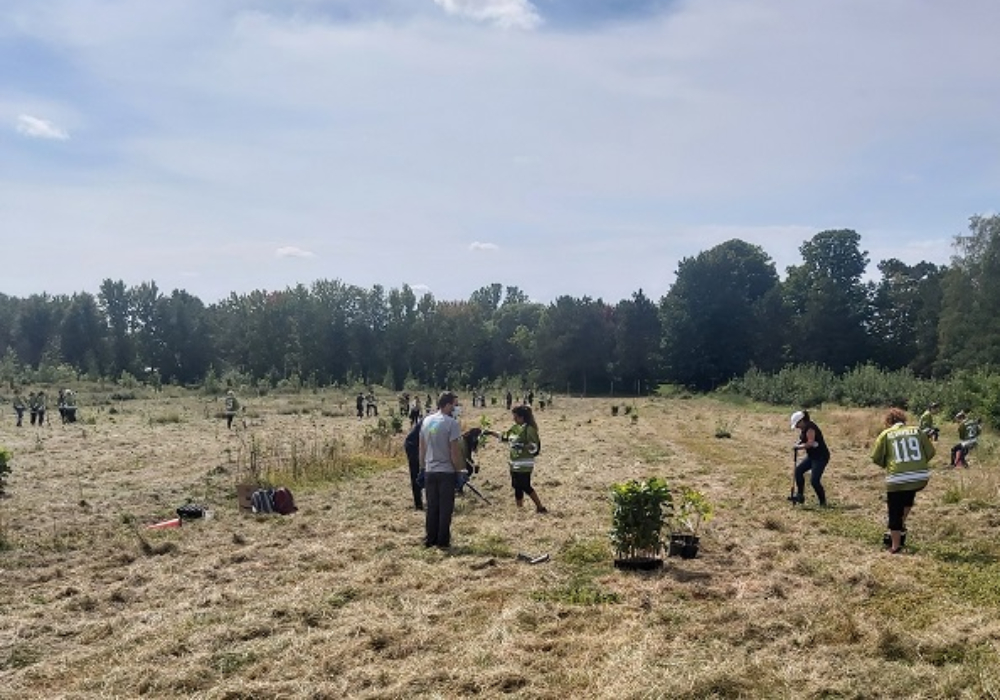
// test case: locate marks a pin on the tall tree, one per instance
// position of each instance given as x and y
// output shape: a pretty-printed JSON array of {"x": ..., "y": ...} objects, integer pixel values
[
  {"x": 712, "y": 314},
  {"x": 970, "y": 322},
  {"x": 638, "y": 336},
  {"x": 83, "y": 335},
  {"x": 575, "y": 344},
  {"x": 829, "y": 302},
  {"x": 906, "y": 311}
]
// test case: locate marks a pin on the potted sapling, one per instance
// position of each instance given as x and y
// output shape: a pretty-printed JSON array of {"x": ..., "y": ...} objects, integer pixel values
[
  {"x": 641, "y": 509},
  {"x": 692, "y": 511}
]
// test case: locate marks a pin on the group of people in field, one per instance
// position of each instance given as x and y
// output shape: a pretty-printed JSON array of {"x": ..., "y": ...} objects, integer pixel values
[
  {"x": 441, "y": 459},
  {"x": 36, "y": 406},
  {"x": 903, "y": 451}
]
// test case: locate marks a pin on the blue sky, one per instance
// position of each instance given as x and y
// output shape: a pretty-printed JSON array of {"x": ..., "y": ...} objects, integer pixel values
[{"x": 565, "y": 146}]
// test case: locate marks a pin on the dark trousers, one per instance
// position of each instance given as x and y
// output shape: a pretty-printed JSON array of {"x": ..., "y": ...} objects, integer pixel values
[
  {"x": 229, "y": 420},
  {"x": 20, "y": 416},
  {"x": 418, "y": 497},
  {"x": 440, "y": 488},
  {"x": 816, "y": 469},
  {"x": 34, "y": 417},
  {"x": 959, "y": 453}
]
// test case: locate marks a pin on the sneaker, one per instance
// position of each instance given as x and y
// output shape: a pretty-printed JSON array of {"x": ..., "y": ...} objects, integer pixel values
[{"x": 797, "y": 499}]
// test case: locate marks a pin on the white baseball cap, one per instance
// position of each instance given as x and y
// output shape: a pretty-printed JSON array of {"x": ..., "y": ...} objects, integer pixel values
[{"x": 796, "y": 417}]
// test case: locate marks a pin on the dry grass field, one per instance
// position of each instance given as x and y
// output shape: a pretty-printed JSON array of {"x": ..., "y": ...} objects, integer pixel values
[{"x": 340, "y": 600}]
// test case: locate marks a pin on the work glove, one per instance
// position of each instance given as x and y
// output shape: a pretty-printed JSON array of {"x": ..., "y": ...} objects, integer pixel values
[{"x": 421, "y": 478}]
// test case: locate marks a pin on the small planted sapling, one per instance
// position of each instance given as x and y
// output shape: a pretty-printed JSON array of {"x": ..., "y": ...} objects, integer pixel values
[{"x": 693, "y": 510}]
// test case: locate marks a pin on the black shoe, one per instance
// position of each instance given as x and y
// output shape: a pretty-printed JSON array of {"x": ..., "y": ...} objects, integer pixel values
[{"x": 797, "y": 499}]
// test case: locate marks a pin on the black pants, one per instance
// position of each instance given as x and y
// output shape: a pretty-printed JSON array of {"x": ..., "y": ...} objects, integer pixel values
[
  {"x": 440, "y": 506},
  {"x": 20, "y": 416},
  {"x": 898, "y": 502},
  {"x": 34, "y": 417},
  {"x": 958, "y": 453},
  {"x": 418, "y": 497},
  {"x": 521, "y": 481},
  {"x": 229, "y": 420}
]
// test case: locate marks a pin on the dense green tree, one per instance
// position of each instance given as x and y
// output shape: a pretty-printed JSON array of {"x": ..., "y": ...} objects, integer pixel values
[
  {"x": 712, "y": 314},
  {"x": 82, "y": 335},
  {"x": 115, "y": 303},
  {"x": 638, "y": 336},
  {"x": 575, "y": 344},
  {"x": 906, "y": 311},
  {"x": 970, "y": 307},
  {"x": 829, "y": 302}
]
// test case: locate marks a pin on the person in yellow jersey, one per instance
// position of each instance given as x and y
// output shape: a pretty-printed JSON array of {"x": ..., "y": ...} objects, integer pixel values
[
  {"x": 904, "y": 452},
  {"x": 525, "y": 445}
]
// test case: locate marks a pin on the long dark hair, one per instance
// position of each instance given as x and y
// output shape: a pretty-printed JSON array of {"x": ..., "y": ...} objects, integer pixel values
[
  {"x": 526, "y": 413},
  {"x": 471, "y": 438}
]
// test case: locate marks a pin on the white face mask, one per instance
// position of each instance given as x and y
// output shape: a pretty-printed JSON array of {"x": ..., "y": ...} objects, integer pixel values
[{"x": 456, "y": 411}]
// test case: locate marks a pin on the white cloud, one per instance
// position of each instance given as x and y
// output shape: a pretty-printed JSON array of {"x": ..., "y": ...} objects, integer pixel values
[
  {"x": 484, "y": 246},
  {"x": 420, "y": 289},
  {"x": 40, "y": 128},
  {"x": 293, "y": 252},
  {"x": 508, "y": 14}
]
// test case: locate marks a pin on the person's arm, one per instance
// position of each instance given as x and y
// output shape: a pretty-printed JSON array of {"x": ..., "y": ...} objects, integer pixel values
[
  {"x": 878, "y": 452},
  {"x": 457, "y": 456},
  {"x": 810, "y": 439},
  {"x": 423, "y": 452},
  {"x": 928, "y": 446}
]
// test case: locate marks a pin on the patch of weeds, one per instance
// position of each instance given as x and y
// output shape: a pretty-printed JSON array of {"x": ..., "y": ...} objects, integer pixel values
[
  {"x": 974, "y": 583},
  {"x": 892, "y": 646},
  {"x": 580, "y": 590},
  {"x": 21, "y": 656},
  {"x": 166, "y": 419},
  {"x": 228, "y": 662},
  {"x": 340, "y": 599},
  {"x": 583, "y": 552},
  {"x": 491, "y": 546}
]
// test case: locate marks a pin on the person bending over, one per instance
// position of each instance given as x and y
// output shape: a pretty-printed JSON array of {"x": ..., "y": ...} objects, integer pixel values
[{"x": 817, "y": 457}]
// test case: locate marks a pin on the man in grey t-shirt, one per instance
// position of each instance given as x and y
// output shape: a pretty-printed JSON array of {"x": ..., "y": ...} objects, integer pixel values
[{"x": 440, "y": 459}]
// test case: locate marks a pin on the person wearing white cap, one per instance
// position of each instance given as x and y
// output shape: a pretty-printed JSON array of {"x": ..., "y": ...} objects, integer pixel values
[{"x": 817, "y": 457}]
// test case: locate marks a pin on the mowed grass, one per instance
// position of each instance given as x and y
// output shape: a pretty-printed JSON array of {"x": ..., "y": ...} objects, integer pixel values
[{"x": 340, "y": 600}]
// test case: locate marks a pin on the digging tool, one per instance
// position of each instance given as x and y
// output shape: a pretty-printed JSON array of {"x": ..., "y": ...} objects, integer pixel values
[{"x": 795, "y": 460}]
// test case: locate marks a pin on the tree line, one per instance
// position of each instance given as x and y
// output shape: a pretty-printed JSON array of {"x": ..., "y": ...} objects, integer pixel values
[{"x": 727, "y": 313}]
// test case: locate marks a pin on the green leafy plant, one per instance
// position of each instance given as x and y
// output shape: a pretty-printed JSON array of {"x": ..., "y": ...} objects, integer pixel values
[
  {"x": 693, "y": 511},
  {"x": 641, "y": 508},
  {"x": 484, "y": 425}
]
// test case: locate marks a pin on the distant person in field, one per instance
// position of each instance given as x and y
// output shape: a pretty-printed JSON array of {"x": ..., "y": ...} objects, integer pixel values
[
  {"x": 40, "y": 402},
  {"x": 531, "y": 398},
  {"x": 968, "y": 437},
  {"x": 411, "y": 445},
  {"x": 33, "y": 406},
  {"x": 232, "y": 406},
  {"x": 817, "y": 456},
  {"x": 67, "y": 410},
  {"x": 525, "y": 444},
  {"x": 415, "y": 411},
  {"x": 904, "y": 452},
  {"x": 509, "y": 399},
  {"x": 371, "y": 405},
  {"x": 19, "y": 406},
  {"x": 926, "y": 424},
  {"x": 360, "y": 402},
  {"x": 441, "y": 462}
]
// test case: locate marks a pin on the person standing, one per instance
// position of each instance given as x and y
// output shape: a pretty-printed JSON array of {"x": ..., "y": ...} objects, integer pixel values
[
  {"x": 232, "y": 406},
  {"x": 33, "y": 406},
  {"x": 415, "y": 410},
  {"x": 440, "y": 460},
  {"x": 904, "y": 452},
  {"x": 19, "y": 406},
  {"x": 509, "y": 399},
  {"x": 40, "y": 401},
  {"x": 817, "y": 457},
  {"x": 411, "y": 445},
  {"x": 360, "y": 404},
  {"x": 525, "y": 444}
]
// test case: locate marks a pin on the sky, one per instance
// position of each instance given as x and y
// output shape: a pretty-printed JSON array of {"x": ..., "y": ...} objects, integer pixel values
[{"x": 578, "y": 147}]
